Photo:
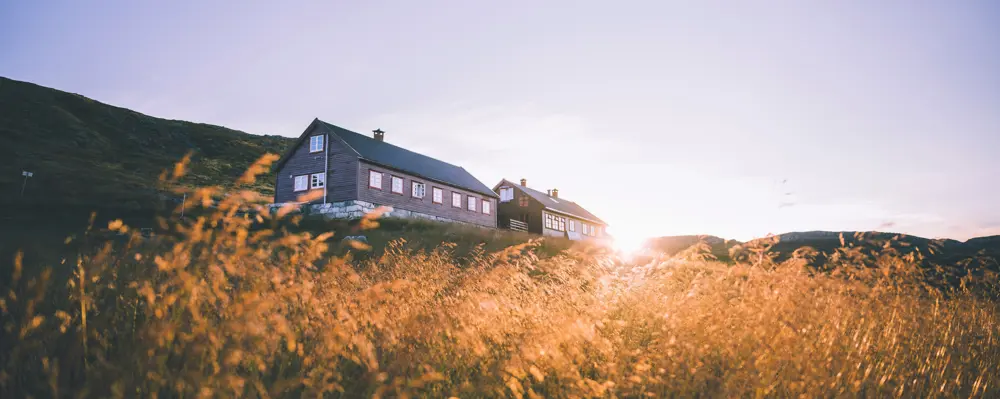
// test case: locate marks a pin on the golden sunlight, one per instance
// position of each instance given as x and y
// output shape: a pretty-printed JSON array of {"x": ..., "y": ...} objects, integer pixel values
[{"x": 629, "y": 240}]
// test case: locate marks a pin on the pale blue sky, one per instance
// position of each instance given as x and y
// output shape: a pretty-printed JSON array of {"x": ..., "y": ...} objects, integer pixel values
[{"x": 662, "y": 117}]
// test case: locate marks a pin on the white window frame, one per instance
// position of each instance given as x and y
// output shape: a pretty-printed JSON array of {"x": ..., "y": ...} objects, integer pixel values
[
  {"x": 375, "y": 179},
  {"x": 392, "y": 184},
  {"x": 317, "y": 180},
  {"x": 456, "y": 200},
  {"x": 572, "y": 225},
  {"x": 316, "y": 143},
  {"x": 486, "y": 206},
  {"x": 554, "y": 222},
  {"x": 295, "y": 183},
  {"x": 506, "y": 194},
  {"x": 422, "y": 191},
  {"x": 437, "y": 195},
  {"x": 471, "y": 202}
]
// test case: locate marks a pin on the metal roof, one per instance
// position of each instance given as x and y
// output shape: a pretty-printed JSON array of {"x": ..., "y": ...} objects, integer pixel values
[
  {"x": 391, "y": 156},
  {"x": 560, "y": 204}
]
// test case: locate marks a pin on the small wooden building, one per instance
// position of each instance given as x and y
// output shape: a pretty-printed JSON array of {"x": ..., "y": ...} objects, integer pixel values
[{"x": 526, "y": 209}]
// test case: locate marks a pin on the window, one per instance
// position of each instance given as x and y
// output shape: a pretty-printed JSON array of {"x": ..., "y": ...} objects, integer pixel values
[
  {"x": 572, "y": 225},
  {"x": 472, "y": 203},
  {"x": 437, "y": 195},
  {"x": 555, "y": 222},
  {"x": 522, "y": 201},
  {"x": 456, "y": 200},
  {"x": 375, "y": 179},
  {"x": 596, "y": 231},
  {"x": 506, "y": 194},
  {"x": 397, "y": 185},
  {"x": 316, "y": 144},
  {"x": 317, "y": 180},
  {"x": 418, "y": 190},
  {"x": 301, "y": 182},
  {"x": 486, "y": 207}
]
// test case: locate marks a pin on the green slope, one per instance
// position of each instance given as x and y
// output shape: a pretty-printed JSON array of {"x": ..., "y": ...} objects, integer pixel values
[{"x": 88, "y": 154}]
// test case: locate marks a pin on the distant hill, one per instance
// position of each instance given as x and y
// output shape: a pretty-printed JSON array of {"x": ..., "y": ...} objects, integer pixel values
[
  {"x": 673, "y": 245},
  {"x": 86, "y": 154},
  {"x": 981, "y": 251}
]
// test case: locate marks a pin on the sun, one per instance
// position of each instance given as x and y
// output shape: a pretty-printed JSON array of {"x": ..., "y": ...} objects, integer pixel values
[{"x": 629, "y": 242}]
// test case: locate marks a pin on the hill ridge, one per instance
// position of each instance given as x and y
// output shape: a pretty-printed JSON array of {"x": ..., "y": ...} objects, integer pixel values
[
  {"x": 936, "y": 250},
  {"x": 87, "y": 153}
]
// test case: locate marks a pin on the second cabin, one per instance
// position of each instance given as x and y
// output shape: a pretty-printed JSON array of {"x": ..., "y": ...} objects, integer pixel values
[{"x": 525, "y": 209}]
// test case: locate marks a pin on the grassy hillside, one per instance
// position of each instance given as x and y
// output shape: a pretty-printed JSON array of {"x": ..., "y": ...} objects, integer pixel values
[
  {"x": 231, "y": 306},
  {"x": 89, "y": 154},
  {"x": 237, "y": 301},
  {"x": 673, "y": 245},
  {"x": 823, "y": 247}
]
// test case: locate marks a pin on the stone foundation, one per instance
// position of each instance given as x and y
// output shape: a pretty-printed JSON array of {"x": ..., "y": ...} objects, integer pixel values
[
  {"x": 357, "y": 209},
  {"x": 340, "y": 210}
]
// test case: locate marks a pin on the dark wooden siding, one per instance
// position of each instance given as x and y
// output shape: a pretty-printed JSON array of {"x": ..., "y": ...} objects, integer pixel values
[
  {"x": 406, "y": 201},
  {"x": 347, "y": 179},
  {"x": 341, "y": 178},
  {"x": 532, "y": 214}
]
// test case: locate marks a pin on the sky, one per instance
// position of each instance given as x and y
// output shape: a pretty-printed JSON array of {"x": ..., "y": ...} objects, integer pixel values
[{"x": 737, "y": 119}]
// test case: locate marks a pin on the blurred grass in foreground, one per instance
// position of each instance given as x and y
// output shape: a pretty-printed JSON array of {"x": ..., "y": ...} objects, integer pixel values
[{"x": 230, "y": 303}]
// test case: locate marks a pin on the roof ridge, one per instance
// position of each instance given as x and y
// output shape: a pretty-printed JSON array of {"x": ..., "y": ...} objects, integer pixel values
[
  {"x": 387, "y": 143},
  {"x": 405, "y": 160},
  {"x": 560, "y": 204}
]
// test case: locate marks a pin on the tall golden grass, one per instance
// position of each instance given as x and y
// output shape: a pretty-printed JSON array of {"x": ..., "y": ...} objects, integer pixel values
[{"x": 236, "y": 304}]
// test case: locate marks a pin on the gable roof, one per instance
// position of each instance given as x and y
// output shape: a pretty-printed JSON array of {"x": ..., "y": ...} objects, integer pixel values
[
  {"x": 560, "y": 205},
  {"x": 390, "y": 156}
]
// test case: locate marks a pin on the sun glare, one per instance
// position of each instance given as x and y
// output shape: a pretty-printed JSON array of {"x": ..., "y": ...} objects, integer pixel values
[{"x": 628, "y": 243}]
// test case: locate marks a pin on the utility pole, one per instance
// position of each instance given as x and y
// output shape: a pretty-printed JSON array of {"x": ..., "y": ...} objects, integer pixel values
[{"x": 26, "y": 175}]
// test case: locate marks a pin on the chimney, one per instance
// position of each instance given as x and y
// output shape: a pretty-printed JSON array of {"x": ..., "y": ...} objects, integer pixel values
[
  {"x": 379, "y": 135},
  {"x": 555, "y": 193},
  {"x": 524, "y": 182},
  {"x": 548, "y": 192}
]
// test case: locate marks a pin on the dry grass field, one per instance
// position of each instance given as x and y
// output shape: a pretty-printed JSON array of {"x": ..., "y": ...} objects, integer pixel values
[{"x": 233, "y": 303}]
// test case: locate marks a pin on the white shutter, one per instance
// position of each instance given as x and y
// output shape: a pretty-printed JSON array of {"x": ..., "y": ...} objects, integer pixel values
[
  {"x": 316, "y": 143},
  {"x": 506, "y": 194},
  {"x": 397, "y": 184},
  {"x": 301, "y": 182}
]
